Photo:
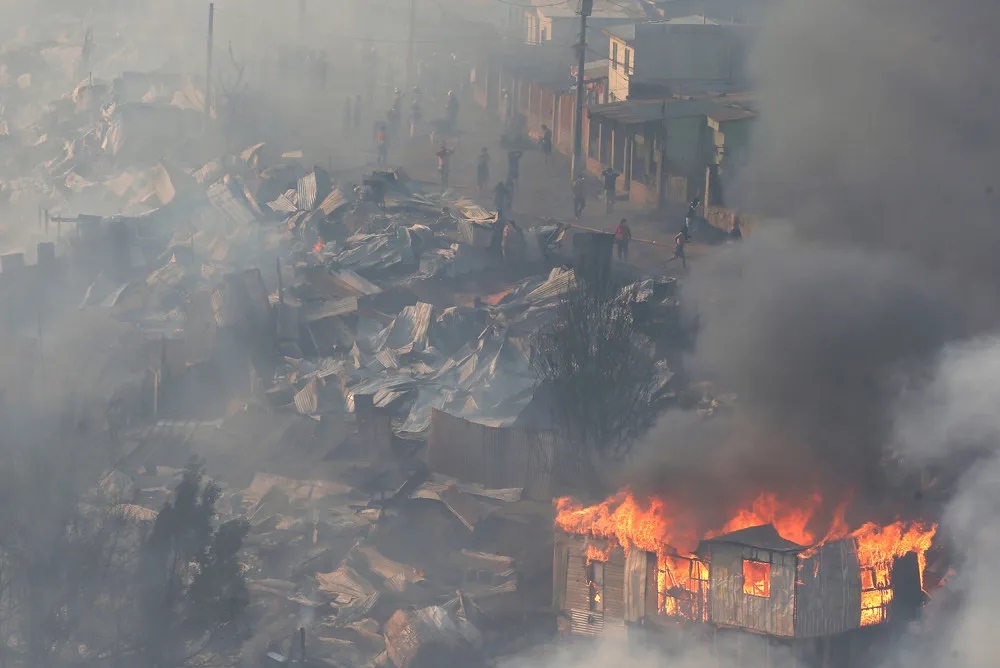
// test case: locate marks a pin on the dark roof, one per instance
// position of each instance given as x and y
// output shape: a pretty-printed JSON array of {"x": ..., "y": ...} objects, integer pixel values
[
  {"x": 764, "y": 536},
  {"x": 731, "y": 114},
  {"x": 644, "y": 111},
  {"x": 625, "y": 32}
]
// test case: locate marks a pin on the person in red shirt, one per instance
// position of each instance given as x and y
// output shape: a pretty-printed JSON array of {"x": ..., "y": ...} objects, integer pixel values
[
  {"x": 623, "y": 235},
  {"x": 444, "y": 160}
]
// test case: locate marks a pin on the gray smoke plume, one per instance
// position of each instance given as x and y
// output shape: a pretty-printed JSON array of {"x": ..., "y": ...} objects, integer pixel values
[
  {"x": 876, "y": 141},
  {"x": 954, "y": 416},
  {"x": 877, "y": 127},
  {"x": 817, "y": 342}
]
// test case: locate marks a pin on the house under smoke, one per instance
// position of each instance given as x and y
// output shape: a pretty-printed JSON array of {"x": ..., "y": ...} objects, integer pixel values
[{"x": 812, "y": 602}]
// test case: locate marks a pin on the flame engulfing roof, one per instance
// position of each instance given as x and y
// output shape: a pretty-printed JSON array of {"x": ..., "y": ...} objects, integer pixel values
[{"x": 765, "y": 537}]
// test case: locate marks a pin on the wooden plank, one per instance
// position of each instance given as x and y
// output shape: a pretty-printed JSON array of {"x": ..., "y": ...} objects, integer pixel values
[
  {"x": 635, "y": 584},
  {"x": 560, "y": 571}
]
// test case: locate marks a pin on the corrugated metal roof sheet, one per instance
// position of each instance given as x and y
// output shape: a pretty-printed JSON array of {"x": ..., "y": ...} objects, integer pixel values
[
  {"x": 307, "y": 192},
  {"x": 236, "y": 211},
  {"x": 316, "y": 311},
  {"x": 307, "y": 399},
  {"x": 409, "y": 330},
  {"x": 387, "y": 359},
  {"x": 354, "y": 282},
  {"x": 285, "y": 202},
  {"x": 560, "y": 282},
  {"x": 332, "y": 202}
]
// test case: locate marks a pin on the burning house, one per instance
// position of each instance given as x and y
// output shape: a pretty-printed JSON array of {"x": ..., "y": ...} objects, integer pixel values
[{"x": 624, "y": 564}]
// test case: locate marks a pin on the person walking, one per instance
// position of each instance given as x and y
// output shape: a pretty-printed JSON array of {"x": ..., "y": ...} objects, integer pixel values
[
  {"x": 546, "y": 143},
  {"x": 736, "y": 231},
  {"x": 444, "y": 164},
  {"x": 623, "y": 235},
  {"x": 513, "y": 168},
  {"x": 382, "y": 144},
  {"x": 416, "y": 115},
  {"x": 579, "y": 196},
  {"x": 508, "y": 187},
  {"x": 680, "y": 242},
  {"x": 500, "y": 199},
  {"x": 483, "y": 170},
  {"x": 610, "y": 181},
  {"x": 512, "y": 243},
  {"x": 691, "y": 217}
]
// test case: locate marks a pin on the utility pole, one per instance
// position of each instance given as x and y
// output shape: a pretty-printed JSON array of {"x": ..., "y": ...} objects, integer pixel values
[
  {"x": 208, "y": 63},
  {"x": 410, "y": 46},
  {"x": 586, "y": 6}
]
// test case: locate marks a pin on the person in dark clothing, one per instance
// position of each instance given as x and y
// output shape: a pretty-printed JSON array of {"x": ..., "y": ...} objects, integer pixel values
[
  {"x": 382, "y": 144},
  {"x": 416, "y": 246},
  {"x": 513, "y": 166},
  {"x": 680, "y": 241},
  {"x": 378, "y": 187},
  {"x": 444, "y": 164},
  {"x": 496, "y": 241},
  {"x": 736, "y": 231},
  {"x": 509, "y": 189},
  {"x": 691, "y": 217},
  {"x": 610, "y": 181},
  {"x": 546, "y": 143},
  {"x": 579, "y": 196},
  {"x": 623, "y": 235},
  {"x": 483, "y": 170},
  {"x": 500, "y": 199}
]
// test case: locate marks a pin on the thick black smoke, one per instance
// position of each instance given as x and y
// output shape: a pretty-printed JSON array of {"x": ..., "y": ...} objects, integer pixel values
[
  {"x": 817, "y": 342},
  {"x": 876, "y": 140}
]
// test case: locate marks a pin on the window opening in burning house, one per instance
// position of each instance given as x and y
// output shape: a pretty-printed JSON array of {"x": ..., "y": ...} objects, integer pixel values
[
  {"x": 682, "y": 584},
  {"x": 595, "y": 578},
  {"x": 876, "y": 595},
  {"x": 756, "y": 578}
]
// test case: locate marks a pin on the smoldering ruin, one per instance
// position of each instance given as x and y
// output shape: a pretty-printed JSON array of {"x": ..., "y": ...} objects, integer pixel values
[{"x": 277, "y": 391}]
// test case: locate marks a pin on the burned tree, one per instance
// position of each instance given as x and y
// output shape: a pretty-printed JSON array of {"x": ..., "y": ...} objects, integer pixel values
[
  {"x": 598, "y": 374},
  {"x": 191, "y": 580}
]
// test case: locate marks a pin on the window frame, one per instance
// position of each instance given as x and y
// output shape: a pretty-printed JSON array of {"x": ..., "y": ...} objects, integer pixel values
[{"x": 752, "y": 589}]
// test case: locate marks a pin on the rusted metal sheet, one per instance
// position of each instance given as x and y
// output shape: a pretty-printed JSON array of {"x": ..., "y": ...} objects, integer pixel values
[
  {"x": 729, "y": 606},
  {"x": 828, "y": 591},
  {"x": 560, "y": 568},
  {"x": 614, "y": 587},
  {"x": 610, "y": 613}
]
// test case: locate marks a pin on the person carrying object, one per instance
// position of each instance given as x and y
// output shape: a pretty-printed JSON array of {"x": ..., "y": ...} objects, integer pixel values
[{"x": 623, "y": 235}]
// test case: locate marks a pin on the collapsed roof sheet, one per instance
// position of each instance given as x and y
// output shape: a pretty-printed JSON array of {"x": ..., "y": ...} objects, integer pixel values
[{"x": 236, "y": 211}]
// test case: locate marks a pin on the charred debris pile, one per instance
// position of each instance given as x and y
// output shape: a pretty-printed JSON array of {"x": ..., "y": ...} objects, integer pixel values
[{"x": 302, "y": 332}]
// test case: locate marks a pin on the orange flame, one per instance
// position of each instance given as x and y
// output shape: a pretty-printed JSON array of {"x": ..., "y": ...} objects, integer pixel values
[
  {"x": 657, "y": 525},
  {"x": 319, "y": 246},
  {"x": 652, "y": 526},
  {"x": 791, "y": 522}
]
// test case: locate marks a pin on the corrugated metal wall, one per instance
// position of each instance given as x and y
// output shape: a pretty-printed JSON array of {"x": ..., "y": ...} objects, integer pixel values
[
  {"x": 774, "y": 615},
  {"x": 498, "y": 457},
  {"x": 828, "y": 592},
  {"x": 577, "y": 590}
]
